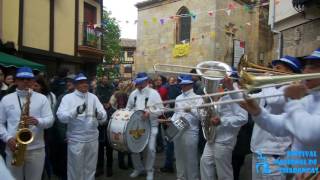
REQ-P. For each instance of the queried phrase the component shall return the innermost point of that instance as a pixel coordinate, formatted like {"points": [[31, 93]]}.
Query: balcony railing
{"points": [[90, 41], [91, 35]]}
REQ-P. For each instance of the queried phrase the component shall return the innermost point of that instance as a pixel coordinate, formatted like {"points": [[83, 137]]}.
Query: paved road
{"points": [[120, 174]]}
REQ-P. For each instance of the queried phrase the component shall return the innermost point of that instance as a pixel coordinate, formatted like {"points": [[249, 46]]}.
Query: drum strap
{"points": [[146, 101], [134, 101]]}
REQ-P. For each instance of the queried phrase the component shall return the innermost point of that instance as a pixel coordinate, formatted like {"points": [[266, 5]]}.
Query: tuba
{"points": [[24, 135], [211, 80]]}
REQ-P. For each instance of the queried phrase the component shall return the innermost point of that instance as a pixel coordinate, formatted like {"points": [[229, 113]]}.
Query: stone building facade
{"points": [[209, 37], [299, 28]]}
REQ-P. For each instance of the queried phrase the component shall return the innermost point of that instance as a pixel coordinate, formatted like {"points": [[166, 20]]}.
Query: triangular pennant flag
{"points": [[210, 13], [161, 21], [193, 15], [248, 23], [145, 22], [213, 34], [228, 11], [232, 6], [154, 20]]}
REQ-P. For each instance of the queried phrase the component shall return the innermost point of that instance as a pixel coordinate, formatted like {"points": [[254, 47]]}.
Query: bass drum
{"points": [[128, 131]]}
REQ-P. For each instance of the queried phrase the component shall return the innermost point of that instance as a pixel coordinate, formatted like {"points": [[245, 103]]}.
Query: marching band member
{"points": [[140, 99], [300, 119], [186, 145], [40, 117], [82, 112], [216, 160], [263, 142]]}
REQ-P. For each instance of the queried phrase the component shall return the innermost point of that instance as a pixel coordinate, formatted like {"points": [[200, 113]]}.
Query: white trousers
{"points": [[150, 150], [82, 160], [258, 168], [32, 167], [216, 162], [186, 152]]}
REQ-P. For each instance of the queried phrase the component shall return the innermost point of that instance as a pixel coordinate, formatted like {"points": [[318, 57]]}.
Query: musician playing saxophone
{"points": [[40, 117], [216, 160]]}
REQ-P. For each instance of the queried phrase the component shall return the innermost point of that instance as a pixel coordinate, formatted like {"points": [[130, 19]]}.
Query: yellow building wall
{"points": [[64, 12], [36, 24], [10, 21], [81, 15]]}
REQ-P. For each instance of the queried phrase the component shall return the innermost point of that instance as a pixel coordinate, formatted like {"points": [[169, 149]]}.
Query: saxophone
{"points": [[24, 135]]}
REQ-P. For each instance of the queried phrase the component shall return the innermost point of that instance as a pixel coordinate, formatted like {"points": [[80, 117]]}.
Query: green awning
{"points": [[7, 60]]}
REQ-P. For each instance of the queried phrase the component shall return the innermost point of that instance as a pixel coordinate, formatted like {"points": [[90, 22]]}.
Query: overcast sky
{"points": [[125, 12]]}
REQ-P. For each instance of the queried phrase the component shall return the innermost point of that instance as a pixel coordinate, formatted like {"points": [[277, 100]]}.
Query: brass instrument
{"points": [[24, 135], [211, 80], [246, 66], [249, 82], [211, 72]]}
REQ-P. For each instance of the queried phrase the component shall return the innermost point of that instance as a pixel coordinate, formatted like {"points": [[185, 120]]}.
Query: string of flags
{"points": [[212, 34], [228, 10]]}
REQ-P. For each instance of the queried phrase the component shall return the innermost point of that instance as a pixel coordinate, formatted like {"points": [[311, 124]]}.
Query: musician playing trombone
{"points": [[186, 145], [300, 119], [140, 99], [264, 143], [217, 156]]}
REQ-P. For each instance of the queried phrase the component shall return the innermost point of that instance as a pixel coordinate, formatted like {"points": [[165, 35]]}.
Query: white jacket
{"points": [[193, 117], [10, 117], [232, 118], [301, 121], [81, 127], [140, 100], [262, 140]]}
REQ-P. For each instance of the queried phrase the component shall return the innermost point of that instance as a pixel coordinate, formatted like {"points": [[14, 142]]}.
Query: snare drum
{"points": [[128, 131], [175, 128]]}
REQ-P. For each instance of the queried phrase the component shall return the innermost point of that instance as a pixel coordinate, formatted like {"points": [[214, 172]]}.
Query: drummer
{"points": [[142, 97], [186, 145]]}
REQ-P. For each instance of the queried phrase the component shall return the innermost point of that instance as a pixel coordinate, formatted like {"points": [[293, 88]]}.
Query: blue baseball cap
{"points": [[314, 56], [80, 77], [185, 79], [25, 72], [292, 62], [141, 77], [234, 73]]}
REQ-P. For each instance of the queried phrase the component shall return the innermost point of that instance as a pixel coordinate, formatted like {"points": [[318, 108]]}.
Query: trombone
{"points": [[211, 72], [247, 80]]}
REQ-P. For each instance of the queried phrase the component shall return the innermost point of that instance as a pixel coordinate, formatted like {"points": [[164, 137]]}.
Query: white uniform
{"points": [[9, 121], [186, 145], [82, 133], [217, 156], [271, 146], [139, 100], [301, 121]]}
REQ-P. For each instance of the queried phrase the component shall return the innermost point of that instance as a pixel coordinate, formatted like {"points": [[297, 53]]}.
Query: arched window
{"points": [[183, 26]]}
